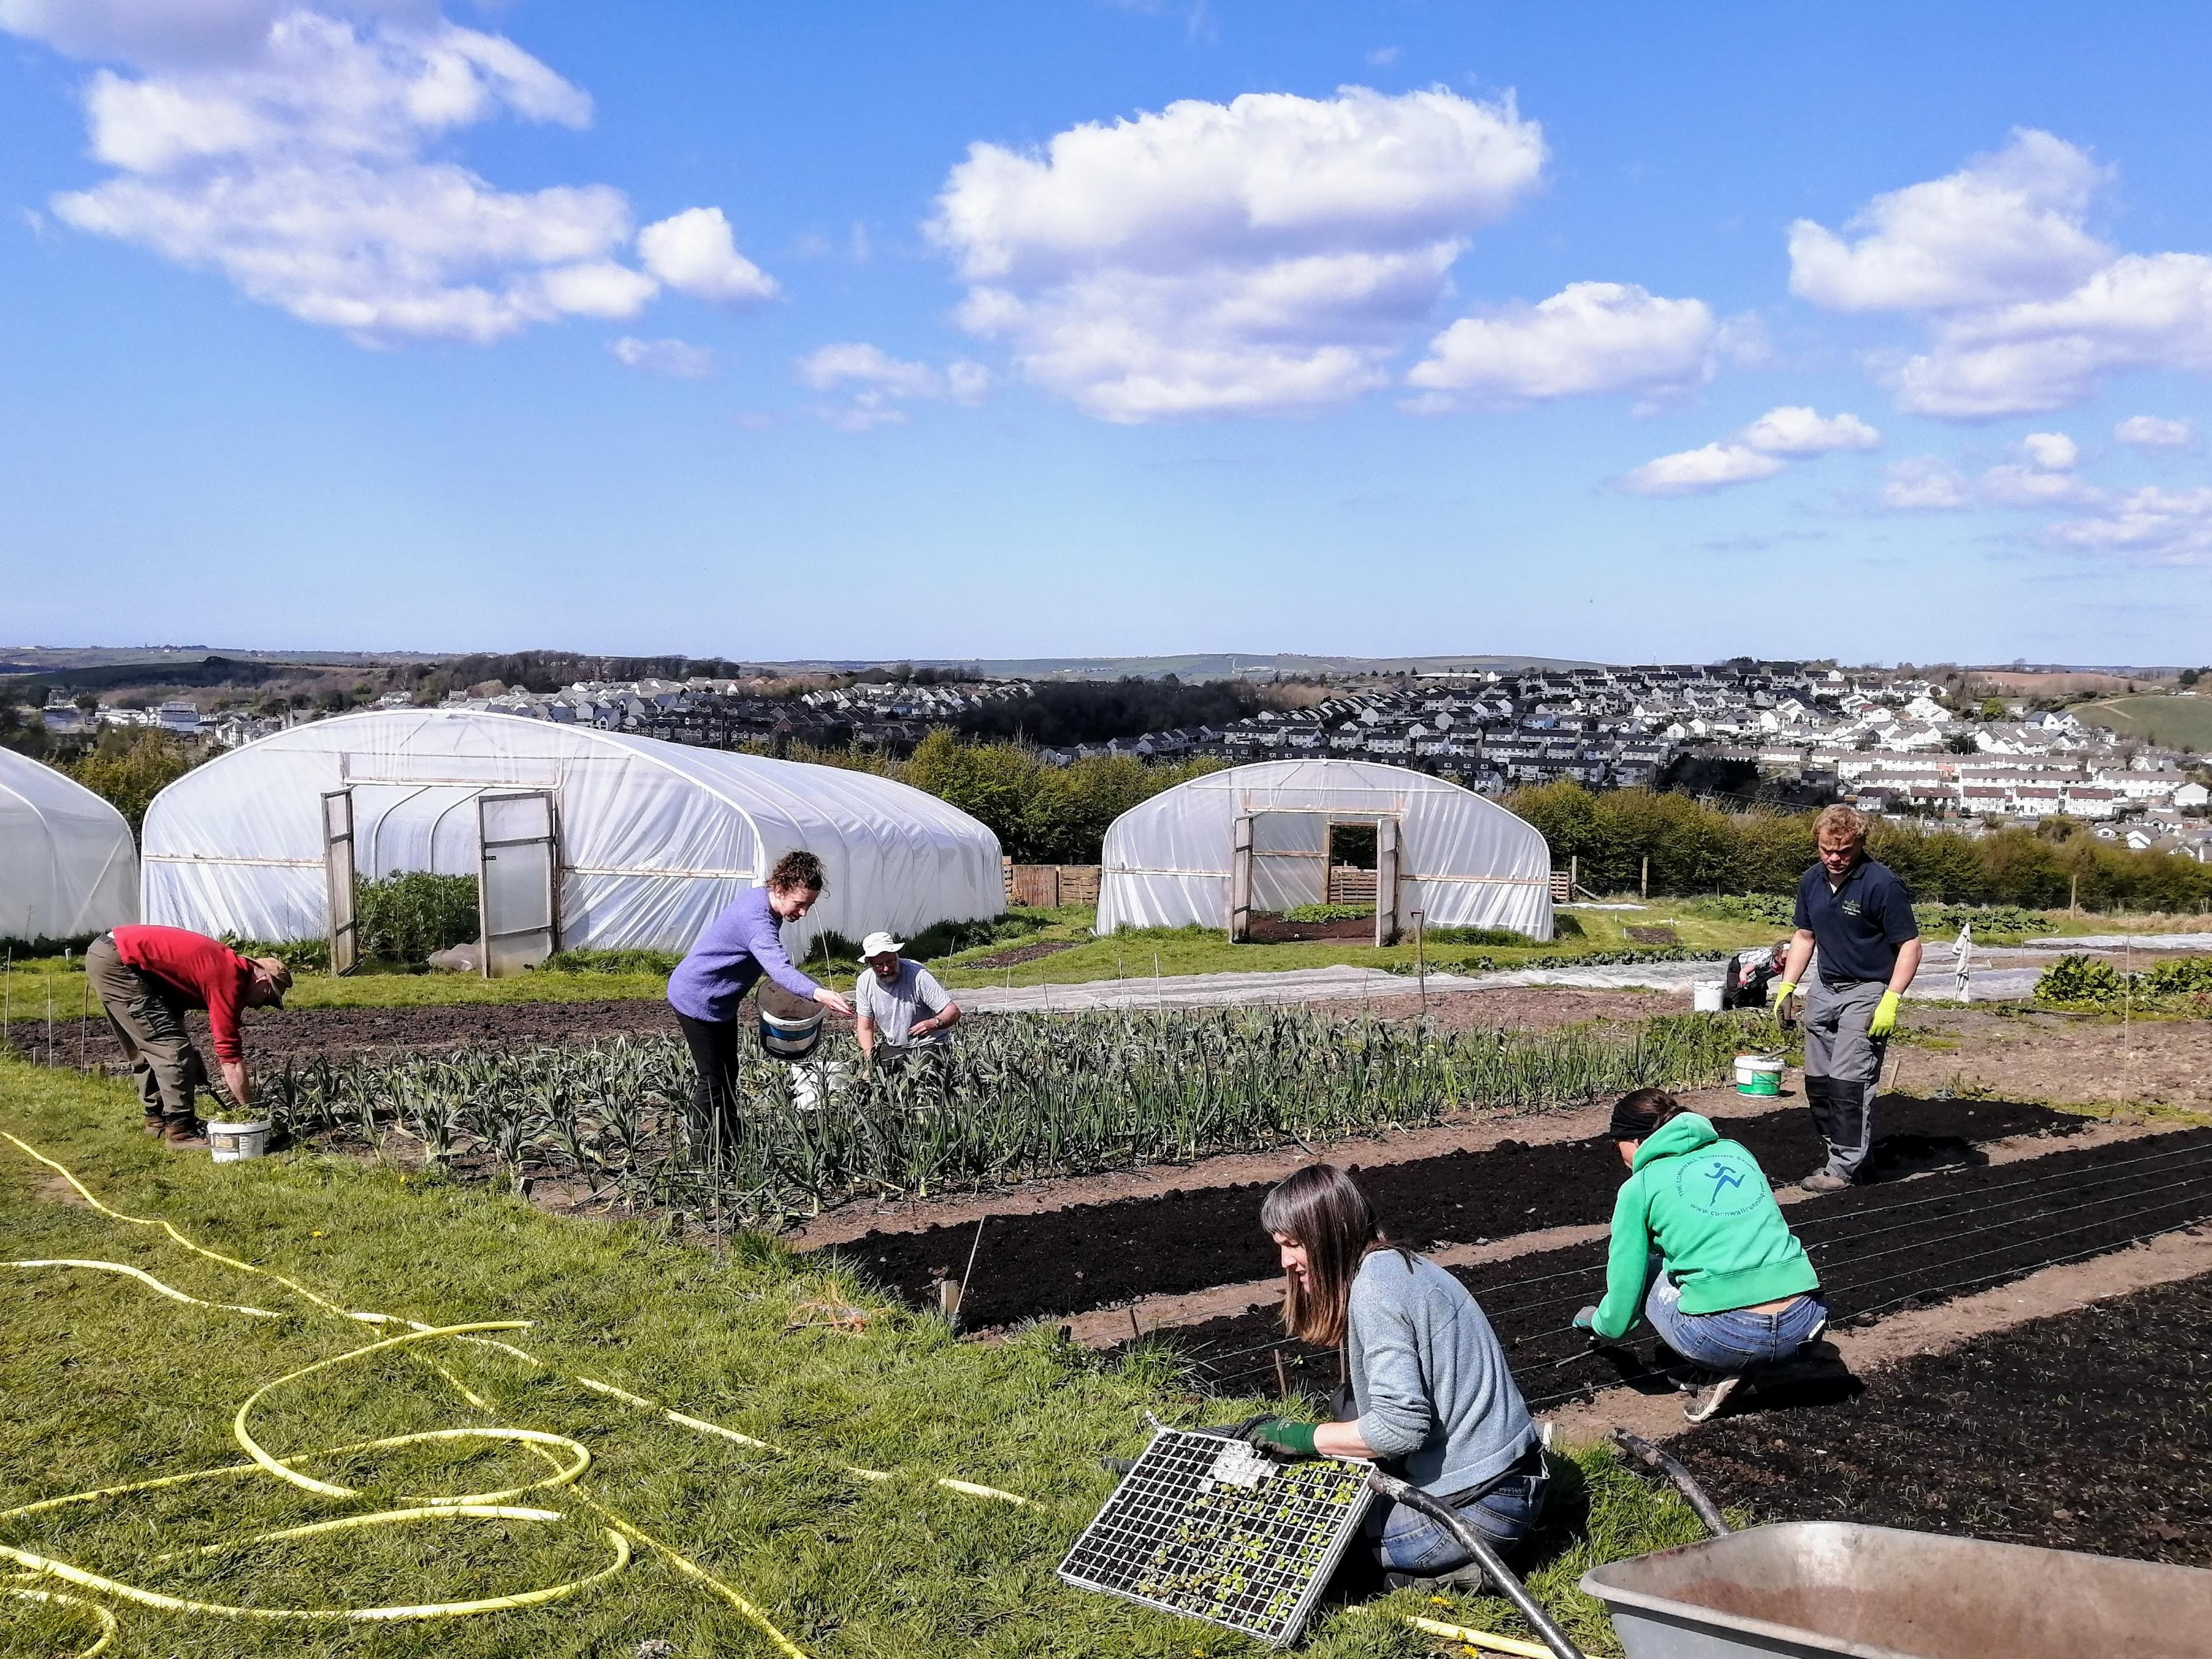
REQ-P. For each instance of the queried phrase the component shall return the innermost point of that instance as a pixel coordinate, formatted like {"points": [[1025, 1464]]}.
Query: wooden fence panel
{"points": [[1044, 886], [1349, 886]]}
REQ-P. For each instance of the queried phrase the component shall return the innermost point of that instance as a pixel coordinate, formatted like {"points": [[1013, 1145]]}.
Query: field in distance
{"points": [[2177, 722]]}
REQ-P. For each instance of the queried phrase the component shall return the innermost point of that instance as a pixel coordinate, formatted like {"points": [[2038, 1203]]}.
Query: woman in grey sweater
{"points": [[1432, 1394]]}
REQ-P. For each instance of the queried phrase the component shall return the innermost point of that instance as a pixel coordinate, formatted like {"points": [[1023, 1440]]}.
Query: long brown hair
{"points": [[1322, 1208]]}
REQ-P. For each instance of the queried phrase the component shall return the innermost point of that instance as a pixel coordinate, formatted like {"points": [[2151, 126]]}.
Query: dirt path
{"points": [[2084, 1060]]}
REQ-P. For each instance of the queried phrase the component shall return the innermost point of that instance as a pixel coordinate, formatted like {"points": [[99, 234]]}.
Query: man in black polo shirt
{"points": [[1859, 914]]}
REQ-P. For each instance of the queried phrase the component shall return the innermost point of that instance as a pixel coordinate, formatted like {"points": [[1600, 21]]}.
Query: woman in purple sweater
{"points": [[737, 948]]}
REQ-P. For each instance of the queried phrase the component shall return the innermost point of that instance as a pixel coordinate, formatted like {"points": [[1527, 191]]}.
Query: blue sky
{"points": [[1060, 328]]}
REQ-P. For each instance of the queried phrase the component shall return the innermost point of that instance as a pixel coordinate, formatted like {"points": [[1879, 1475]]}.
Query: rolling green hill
{"points": [[2175, 722]]}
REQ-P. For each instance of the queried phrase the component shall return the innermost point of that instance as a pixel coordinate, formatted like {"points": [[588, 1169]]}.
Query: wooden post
{"points": [[1574, 874], [2073, 896], [948, 1298], [1643, 885]]}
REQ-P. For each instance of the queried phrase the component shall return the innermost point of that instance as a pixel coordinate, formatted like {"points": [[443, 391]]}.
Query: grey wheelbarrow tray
{"points": [[1817, 1587]]}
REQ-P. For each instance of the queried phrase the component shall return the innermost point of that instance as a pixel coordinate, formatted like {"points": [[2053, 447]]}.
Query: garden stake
{"points": [[1282, 1378], [84, 1023], [967, 1274], [49, 1019]]}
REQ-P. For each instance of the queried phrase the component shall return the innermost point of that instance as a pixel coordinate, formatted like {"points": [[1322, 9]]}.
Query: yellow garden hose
{"points": [[567, 1461], [55, 1598]]}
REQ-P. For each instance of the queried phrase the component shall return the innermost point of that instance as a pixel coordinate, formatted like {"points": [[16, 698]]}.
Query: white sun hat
{"points": [[880, 945]]}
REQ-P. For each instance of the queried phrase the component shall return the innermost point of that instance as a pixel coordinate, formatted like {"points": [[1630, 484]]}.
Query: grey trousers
{"points": [[149, 1022], [1843, 1068]]}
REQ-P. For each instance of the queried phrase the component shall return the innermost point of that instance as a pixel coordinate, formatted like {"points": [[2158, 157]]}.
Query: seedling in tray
{"points": [[1210, 1529]]}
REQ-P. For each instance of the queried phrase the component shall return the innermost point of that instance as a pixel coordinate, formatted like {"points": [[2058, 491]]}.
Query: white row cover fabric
{"points": [[1464, 862], [67, 865], [655, 837]]}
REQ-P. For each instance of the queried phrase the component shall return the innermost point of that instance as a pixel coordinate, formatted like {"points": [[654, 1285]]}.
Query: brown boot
{"points": [[184, 1134], [155, 1125]]}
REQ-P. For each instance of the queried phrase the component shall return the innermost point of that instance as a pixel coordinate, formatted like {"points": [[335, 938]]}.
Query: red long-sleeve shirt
{"points": [[205, 973]]}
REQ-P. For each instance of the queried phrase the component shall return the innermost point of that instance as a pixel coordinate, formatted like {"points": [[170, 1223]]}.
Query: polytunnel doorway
{"points": [[1281, 861], [516, 861]]}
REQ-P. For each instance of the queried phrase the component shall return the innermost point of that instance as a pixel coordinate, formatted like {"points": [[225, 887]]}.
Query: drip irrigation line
{"points": [[2201, 1148], [2000, 1275], [2202, 1206], [1940, 1244]]}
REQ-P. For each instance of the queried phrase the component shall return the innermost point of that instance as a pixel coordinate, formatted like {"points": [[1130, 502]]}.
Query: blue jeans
{"points": [[1736, 1340], [1407, 1540]]}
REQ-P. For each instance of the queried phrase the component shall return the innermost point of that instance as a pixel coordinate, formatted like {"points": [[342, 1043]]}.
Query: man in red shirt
{"points": [[147, 977]]}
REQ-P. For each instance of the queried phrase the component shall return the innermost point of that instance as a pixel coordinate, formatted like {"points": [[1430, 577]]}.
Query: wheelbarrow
{"points": [[1819, 1587], [1809, 1590]]}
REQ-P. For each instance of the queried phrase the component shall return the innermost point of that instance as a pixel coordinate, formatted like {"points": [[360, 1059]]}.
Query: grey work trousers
{"points": [[1843, 1068], [147, 1019]]}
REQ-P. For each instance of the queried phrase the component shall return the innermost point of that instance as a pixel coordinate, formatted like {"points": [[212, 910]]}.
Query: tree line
{"points": [[1694, 849]]}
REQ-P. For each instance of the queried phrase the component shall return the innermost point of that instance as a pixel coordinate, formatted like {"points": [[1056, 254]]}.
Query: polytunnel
{"points": [[581, 839], [69, 867], [1260, 840]]}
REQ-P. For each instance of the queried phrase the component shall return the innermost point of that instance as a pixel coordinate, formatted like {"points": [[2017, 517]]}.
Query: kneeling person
{"points": [[898, 1006], [1699, 1242], [1431, 1395]]}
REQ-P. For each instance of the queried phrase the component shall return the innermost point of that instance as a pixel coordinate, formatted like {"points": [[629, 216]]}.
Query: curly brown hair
{"points": [[800, 870]]}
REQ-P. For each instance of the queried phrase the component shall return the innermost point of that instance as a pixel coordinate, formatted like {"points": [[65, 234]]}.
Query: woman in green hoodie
{"points": [[1699, 1244]]}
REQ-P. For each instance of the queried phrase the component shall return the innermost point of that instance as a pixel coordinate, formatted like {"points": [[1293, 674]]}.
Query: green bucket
{"points": [[1757, 1075]]}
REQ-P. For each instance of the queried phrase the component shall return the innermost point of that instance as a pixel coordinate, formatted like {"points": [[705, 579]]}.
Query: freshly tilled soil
{"points": [[1874, 1248], [2087, 1430], [1086, 1256]]}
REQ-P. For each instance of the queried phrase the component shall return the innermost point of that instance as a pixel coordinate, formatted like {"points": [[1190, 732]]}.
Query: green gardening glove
{"points": [[1281, 1434], [1885, 1016]]}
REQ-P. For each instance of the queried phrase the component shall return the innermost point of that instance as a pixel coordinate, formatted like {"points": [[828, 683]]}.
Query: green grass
{"points": [[2175, 722], [103, 1383]]}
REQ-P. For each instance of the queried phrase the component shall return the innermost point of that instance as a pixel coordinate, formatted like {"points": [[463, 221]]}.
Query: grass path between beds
{"points": [[104, 1382]]}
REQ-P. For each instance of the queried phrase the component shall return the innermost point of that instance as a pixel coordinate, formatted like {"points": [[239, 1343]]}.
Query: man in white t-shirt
{"points": [[899, 1005]]}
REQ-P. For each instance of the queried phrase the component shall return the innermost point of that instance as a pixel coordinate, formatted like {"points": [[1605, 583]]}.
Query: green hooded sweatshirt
{"points": [[1704, 1205]]}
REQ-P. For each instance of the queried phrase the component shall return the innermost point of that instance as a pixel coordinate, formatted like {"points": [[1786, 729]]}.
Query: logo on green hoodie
{"points": [[1717, 1184]]}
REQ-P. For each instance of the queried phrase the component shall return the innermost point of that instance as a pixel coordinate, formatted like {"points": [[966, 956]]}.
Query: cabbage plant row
{"points": [[1017, 1096]]}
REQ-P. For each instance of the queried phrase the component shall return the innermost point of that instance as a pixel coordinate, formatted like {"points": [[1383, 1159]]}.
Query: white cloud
{"points": [[286, 147], [2166, 527], [2150, 432], [1590, 338], [1694, 471], [1265, 255], [2004, 227], [694, 253], [678, 360], [869, 385], [2029, 311], [2051, 451], [1925, 484], [1797, 430], [1758, 451]]}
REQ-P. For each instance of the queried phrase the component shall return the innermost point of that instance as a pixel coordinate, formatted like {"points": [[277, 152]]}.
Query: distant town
{"points": [[1908, 745]]}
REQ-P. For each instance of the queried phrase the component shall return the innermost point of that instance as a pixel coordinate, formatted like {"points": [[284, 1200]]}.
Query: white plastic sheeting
{"points": [[1464, 861], [655, 837], [67, 866]]}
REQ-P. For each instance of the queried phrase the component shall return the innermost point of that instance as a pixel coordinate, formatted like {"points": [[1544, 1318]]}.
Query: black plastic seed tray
{"points": [[1209, 1529]]}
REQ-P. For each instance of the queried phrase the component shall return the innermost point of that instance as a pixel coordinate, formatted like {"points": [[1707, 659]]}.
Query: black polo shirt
{"points": [[1857, 925]]}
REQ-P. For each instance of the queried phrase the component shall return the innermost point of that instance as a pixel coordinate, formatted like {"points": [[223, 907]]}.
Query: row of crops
{"points": [[1019, 1096]]}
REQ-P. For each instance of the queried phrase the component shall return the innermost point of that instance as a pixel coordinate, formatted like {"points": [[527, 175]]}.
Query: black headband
{"points": [[1627, 1124]]}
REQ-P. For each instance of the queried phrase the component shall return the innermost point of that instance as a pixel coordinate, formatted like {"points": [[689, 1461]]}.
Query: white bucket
{"points": [[234, 1143], [818, 1084], [1705, 995]]}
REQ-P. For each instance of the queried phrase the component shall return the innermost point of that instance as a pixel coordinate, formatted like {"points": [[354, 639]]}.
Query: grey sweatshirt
{"points": [[1429, 1376]]}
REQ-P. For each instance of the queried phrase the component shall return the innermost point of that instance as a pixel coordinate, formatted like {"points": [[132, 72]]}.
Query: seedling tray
{"points": [[1209, 1529]]}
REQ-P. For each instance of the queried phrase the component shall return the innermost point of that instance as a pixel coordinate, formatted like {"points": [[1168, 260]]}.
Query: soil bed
{"points": [[1275, 930], [1091, 1256], [1874, 1248], [1017, 955], [2089, 1431]]}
